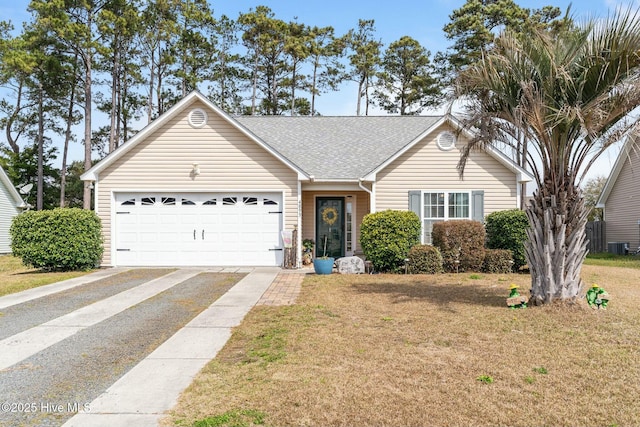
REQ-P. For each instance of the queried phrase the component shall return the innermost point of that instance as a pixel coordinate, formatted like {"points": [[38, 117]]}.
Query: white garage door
{"points": [[213, 229]]}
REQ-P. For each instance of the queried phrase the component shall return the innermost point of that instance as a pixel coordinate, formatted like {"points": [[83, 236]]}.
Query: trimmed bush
{"points": [[462, 241], [59, 239], [508, 230], [424, 259], [498, 261], [387, 236]]}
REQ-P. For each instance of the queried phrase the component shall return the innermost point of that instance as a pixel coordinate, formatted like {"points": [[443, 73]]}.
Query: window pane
{"points": [[434, 205], [458, 205]]}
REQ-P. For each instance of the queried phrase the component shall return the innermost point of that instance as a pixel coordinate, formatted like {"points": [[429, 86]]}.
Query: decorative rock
{"points": [[350, 265]]}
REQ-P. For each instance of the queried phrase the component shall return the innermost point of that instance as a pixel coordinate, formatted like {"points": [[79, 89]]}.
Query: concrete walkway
{"points": [[143, 395]]}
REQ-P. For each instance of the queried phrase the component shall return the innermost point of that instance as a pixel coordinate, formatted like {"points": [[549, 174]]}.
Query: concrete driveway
{"points": [[51, 336]]}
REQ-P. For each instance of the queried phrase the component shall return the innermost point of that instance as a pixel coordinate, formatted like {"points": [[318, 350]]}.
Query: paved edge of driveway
{"points": [[144, 394], [24, 344], [41, 291]]}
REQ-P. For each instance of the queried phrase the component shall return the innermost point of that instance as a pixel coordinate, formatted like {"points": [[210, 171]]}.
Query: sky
{"points": [[423, 20]]}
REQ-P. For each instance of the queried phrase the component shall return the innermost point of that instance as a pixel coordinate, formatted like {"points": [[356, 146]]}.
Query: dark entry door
{"points": [[330, 226]]}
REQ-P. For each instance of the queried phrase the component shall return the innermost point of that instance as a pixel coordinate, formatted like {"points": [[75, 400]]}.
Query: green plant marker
{"points": [[487, 379]]}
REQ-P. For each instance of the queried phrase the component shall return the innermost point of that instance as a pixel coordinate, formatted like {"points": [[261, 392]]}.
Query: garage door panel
{"points": [[170, 219], [230, 218], [198, 229]]}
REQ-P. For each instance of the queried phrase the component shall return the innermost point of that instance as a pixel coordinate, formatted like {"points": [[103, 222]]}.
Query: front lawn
{"points": [[442, 350], [611, 260], [15, 277]]}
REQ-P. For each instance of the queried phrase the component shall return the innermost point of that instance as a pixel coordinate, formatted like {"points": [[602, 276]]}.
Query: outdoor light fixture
{"points": [[195, 171]]}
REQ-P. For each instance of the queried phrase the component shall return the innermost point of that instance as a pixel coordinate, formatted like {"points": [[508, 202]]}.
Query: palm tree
{"points": [[568, 96]]}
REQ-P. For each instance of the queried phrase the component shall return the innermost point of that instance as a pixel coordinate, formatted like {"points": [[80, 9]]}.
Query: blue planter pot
{"points": [[323, 266]]}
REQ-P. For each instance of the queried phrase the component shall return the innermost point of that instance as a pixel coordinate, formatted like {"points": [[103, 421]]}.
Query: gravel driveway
{"points": [[48, 387]]}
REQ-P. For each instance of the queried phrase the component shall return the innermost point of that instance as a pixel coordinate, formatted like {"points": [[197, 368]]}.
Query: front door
{"points": [[330, 226]]}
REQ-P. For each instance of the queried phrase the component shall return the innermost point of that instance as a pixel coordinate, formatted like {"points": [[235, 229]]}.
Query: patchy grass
{"points": [[15, 277], [444, 350], [612, 260]]}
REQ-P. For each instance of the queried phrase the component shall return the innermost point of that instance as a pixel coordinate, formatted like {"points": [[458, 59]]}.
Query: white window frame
{"points": [[426, 234]]}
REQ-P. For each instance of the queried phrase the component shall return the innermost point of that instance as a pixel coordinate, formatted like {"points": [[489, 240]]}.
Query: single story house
{"points": [[11, 204], [200, 187], [620, 197]]}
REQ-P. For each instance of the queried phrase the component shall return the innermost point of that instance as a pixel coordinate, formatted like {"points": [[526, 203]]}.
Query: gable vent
{"points": [[198, 118], [446, 141]]}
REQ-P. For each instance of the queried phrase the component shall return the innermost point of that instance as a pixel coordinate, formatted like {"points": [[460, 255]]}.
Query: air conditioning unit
{"points": [[618, 248]]}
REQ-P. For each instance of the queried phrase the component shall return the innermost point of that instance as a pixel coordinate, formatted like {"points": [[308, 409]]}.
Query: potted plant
{"points": [[307, 252], [323, 264]]}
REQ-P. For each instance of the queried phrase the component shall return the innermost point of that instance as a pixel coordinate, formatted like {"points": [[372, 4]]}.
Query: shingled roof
{"points": [[338, 148]]}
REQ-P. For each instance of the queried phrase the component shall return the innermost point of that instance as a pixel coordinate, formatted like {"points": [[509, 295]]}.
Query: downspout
{"points": [[372, 203], [299, 236], [519, 196]]}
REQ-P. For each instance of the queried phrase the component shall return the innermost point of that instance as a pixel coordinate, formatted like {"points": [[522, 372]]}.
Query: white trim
{"points": [[372, 198], [331, 187], [353, 200], [518, 194], [95, 197], [112, 220], [4, 178], [92, 174], [299, 221]]}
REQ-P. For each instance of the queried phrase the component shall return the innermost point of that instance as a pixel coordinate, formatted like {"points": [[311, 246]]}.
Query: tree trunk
{"points": [[40, 189], [151, 83], [115, 79], [314, 82], [86, 195], [254, 85], [11, 119], [360, 85], [556, 245], [67, 140]]}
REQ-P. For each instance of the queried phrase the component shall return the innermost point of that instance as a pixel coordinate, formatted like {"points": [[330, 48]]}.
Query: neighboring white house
{"points": [[11, 204], [620, 198], [200, 187]]}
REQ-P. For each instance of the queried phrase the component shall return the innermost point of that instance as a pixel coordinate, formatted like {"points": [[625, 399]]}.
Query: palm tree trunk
{"points": [[557, 243]]}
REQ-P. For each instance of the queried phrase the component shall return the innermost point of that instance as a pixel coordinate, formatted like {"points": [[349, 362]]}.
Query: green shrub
{"points": [[387, 236], [58, 239], [461, 241], [508, 230], [424, 259], [498, 261]]}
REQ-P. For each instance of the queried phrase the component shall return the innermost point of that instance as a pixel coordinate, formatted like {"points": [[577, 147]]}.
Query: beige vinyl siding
{"points": [[228, 161], [8, 210], [426, 167], [622, 209], [309, 211]]}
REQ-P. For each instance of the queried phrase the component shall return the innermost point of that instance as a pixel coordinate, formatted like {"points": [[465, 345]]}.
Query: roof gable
{"points": [[521, 174], [627, 148], [338, 148], [4, 179], [321, 148], [92, 174]]}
